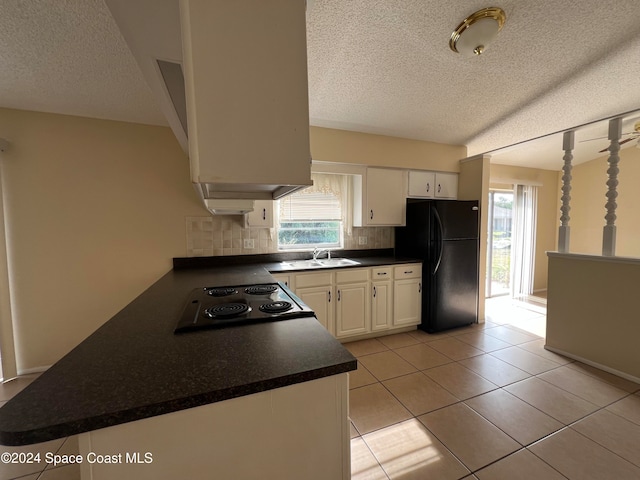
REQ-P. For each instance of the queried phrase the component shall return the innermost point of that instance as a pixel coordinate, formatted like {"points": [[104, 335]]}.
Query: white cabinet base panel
{"points": [[300, 431]]}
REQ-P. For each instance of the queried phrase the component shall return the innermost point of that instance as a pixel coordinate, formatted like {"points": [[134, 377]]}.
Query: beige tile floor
{"points": [[485, 402], [488, 402]]}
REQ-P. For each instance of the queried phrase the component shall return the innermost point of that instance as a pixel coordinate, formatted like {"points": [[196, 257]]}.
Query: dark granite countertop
{"points": [[134, 367]]}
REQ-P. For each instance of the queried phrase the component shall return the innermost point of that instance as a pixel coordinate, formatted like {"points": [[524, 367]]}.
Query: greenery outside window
{"points": [[313, 217]]}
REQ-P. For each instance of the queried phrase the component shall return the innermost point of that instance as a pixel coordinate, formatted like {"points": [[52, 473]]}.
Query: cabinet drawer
{"points": [[352, 275], [318, 279], [381, 273], [410, 270]]}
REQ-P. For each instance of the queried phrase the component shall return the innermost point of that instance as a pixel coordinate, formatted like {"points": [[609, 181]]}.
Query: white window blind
{"points": [[301, 206], [313, 216]]}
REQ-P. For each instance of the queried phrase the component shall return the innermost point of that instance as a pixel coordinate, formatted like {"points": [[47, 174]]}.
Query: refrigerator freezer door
{"points": [[458, 218], [453, 295], [414, 239]]}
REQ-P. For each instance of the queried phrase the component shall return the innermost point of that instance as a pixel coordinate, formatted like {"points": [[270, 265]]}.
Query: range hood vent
{"points": [[229, 207], [173, 79], [245, 73], [233, 75]]}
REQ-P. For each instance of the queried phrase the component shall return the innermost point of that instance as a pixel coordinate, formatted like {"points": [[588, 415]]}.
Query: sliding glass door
{"points": [[499, 243]]}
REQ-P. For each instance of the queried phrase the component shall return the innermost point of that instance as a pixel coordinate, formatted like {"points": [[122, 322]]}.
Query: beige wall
{"points": [[474, 185], [548, 210], [95, 212], [588, 189], [592, 311], [330, 145]]}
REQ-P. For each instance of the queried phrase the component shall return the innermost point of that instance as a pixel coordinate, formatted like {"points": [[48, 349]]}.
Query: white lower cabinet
{"points": [[319, 300], [284, 278], [357, 301], [407, 295], [316, 290], [352, 302], [381, 298]]}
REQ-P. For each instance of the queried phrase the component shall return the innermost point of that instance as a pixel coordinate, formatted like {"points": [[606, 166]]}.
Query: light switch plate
{"points": [[248, 243], [362, 240]]}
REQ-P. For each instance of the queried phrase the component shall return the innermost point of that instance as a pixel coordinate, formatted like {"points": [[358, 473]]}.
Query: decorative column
{"points": [[563, 232], [609, 233]]}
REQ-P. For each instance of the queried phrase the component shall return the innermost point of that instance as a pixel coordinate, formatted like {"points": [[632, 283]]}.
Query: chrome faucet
{"points": [[318, 251]]}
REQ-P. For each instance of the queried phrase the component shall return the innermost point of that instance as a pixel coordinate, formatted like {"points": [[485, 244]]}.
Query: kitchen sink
{"points": [[323, 263], [337, 262]]}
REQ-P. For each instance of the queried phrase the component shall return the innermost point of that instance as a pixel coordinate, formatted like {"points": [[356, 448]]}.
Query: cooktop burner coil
{"points": [[275, 307], [260, 289], [227, 310], [221, 292]]}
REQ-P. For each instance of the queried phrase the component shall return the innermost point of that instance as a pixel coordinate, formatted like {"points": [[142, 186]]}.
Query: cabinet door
{"points": [[321, 301], [352, 309], [446, 185], [381, 305], [422, 184], [262, 215], [407, 299], [284, 278], [385, 200]]}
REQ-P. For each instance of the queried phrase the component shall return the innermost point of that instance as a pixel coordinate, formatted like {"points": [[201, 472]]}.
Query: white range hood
{"points": [[231, 78]]}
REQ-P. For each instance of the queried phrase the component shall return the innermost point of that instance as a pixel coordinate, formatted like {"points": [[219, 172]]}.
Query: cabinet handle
{"points": [[408, 271], [329, 293], [338, 295], [374, 291], [420, 287], [439, 188], [264, 214], [371, 214], [382, 273], [428, 186]]}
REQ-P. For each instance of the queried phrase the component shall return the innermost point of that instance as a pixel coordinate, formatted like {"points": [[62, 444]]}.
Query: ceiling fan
{"points": [[635, 134]]}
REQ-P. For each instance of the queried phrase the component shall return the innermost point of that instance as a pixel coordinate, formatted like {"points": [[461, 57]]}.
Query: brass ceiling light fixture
{"points": [[477, 31]]}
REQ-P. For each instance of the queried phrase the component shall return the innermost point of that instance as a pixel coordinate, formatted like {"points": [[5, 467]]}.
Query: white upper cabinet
{"points": [[247, 107], [422, 184], [432, 184], [446, 185], [262, 215], [379, 198]]}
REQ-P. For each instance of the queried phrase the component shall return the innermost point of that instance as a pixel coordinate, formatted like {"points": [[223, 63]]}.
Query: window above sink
{"points": [[316, 216]]}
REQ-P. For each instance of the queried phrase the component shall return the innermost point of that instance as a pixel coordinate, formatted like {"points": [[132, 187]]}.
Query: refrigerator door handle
{"points": [[437, 216]]}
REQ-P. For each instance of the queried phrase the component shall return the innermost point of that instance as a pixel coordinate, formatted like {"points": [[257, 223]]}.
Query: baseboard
{"points": [[540, 290], [381, 333], [29, 371], [594, 364]]}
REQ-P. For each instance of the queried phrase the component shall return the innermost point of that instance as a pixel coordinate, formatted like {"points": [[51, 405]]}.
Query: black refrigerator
{"points": [[444, 235]]}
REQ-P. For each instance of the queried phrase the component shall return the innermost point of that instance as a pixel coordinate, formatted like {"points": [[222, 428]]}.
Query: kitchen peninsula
{"points": [[269, 399]]}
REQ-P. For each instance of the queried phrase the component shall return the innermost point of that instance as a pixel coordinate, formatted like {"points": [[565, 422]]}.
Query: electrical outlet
{"points": [[248, 243], [362, 240]]}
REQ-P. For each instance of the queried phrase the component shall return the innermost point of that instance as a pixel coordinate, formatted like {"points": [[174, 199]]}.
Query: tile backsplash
{"points": [[225, 235]]}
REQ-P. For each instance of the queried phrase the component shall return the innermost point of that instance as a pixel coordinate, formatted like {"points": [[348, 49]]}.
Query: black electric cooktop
{"points": [[220, 307]]}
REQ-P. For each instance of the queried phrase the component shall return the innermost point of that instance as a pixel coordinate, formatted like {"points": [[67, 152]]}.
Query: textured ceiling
{"points": [[67, 56], [384, 66], [377, 66]]}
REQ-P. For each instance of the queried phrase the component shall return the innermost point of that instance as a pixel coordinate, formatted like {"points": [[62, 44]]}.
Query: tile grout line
{"points": [[564, 426], [598, 443]]}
